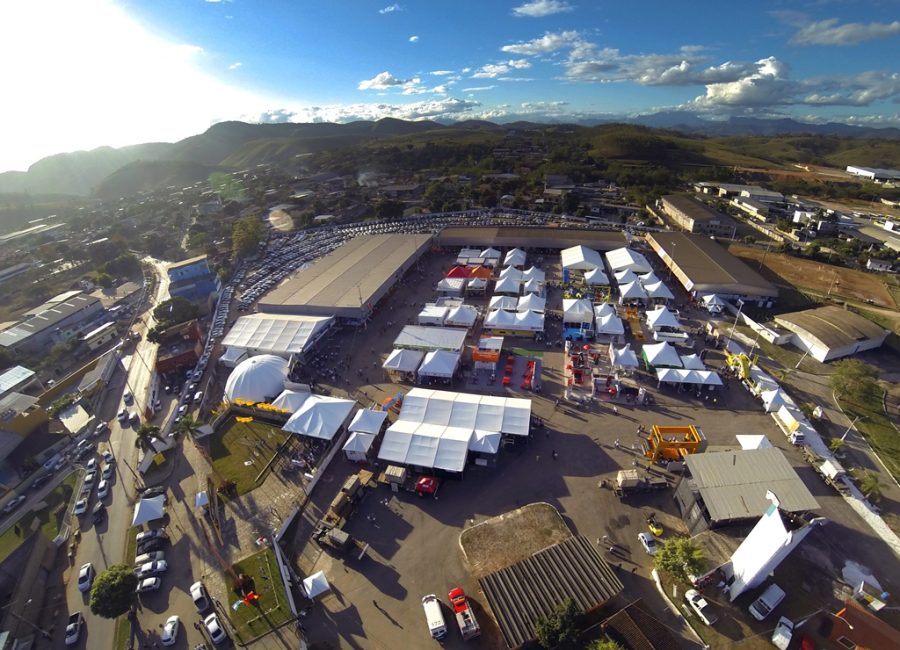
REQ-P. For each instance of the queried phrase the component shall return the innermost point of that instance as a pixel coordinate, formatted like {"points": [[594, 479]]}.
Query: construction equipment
{"points": [[631, 481], [654, 526], [673, 444]]}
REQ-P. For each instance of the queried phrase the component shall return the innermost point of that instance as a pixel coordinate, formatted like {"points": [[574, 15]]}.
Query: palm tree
{"points": [[187, 424], [144, 434]]}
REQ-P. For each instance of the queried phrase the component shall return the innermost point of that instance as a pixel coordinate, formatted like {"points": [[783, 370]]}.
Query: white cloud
{"points": [[235, 65], [540, 8], [447, 108], [767, 86], [441, 73], [830, 32], [381, 81], [477, 89], [857, 90], [390, 9], [413, 39], [493, 70], [549, 42]]}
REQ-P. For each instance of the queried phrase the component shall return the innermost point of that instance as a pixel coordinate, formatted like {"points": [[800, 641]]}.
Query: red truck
{"points": [[468, 626]]}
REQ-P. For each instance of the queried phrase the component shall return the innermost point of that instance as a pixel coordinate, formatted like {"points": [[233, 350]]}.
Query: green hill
{"points": [[145, 176]]}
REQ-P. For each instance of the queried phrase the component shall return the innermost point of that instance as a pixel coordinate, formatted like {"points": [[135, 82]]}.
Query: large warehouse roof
{"points": [[702, 265], [350, 280], [522, 594], [530, 237], [281, 334], [832, 326], [733, 484]]}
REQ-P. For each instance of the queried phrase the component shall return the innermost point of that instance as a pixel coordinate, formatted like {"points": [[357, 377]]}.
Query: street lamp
{"points": [[855, 420], [736, 319]]}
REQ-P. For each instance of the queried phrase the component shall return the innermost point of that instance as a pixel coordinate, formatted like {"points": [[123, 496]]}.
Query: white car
{"points": [[80, 507], [89, 478], [154, 556], [92, 464], [200, 597], [148, 584], [701, 607], [151, 569], [648, 542], [107, 471], [73, 628], [85, 577], [170, 630], [216, 633], [781, 637], [103, 489], [108, 458]]}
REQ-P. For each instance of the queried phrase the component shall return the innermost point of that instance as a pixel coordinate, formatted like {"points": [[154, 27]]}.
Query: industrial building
{"points": [[728, 487], [20, 414], [874, 173], [180, 346], [193, 280], [704, 267], [829, 333], [350, 281], [693, 216], [56, 324]]}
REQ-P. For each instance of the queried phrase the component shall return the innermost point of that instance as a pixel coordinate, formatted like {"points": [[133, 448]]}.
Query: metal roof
{"points": [[522, 594], [46, 319], [832, 326], [694, 209], [638, 629], [276, 334], [733, 484], [420, 337], [14, 378]]}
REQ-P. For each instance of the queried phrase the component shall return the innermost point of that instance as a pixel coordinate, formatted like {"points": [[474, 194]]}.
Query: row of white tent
{"points": [[664, 355], [684, 376], [513, 281], [478, 257], [528, 302], [634, 286], [437, 363], [443, 315], [524, 321], [456, 286]]}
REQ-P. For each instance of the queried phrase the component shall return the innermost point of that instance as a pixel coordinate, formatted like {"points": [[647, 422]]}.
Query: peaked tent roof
{"points": [[458, 272], [662, 317], [359, 441], [633, 291], [146, 510], [511, 272], [534, 273], [753, 441], [320, 417], [581, 258], [577, 309], [367, 421], [477, 283], [490, 253], [658, 290], [451, 284], [291, 400], [482, 272], [439, 363], [713, 299], [692, 362], [532, 286], [596, 276], [487, 442], [316, 584], [461, 316], [625, 277], [508, 285], [279, 334], [531, 302], [609, 324], [661, 355], [603, 309], [648, 278], [509, 303], [623, 357], [403, 360], [625, 258], [515, 257]]}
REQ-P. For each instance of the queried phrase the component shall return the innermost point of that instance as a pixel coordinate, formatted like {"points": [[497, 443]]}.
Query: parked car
{"points": [[106, 472], [212, 625], [128, 398], [108, 457], [15, 503], [73, 628], [146, 535], [170, 631], [150, 545], [92, 464], [85, 577], [148, 584], [648, 542], [155, 556], [123, 416], [152, 569], [100, 429], [80, 507], [200, 597], [154, 491], [98, 512], [89, 478], [103, 489], [784, 630], [41, 481], [701, 607]]}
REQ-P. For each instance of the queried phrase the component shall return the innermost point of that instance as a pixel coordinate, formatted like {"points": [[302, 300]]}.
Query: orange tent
{"points": [[482, 272]]}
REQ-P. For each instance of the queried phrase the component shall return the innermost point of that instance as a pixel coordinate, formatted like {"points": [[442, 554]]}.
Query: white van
{"points": [[198, 396], [434, 615], [769, 600]]}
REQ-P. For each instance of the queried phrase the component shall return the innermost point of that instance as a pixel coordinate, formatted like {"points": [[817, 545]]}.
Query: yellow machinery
{"points": [[674, 443], [741, 363]]}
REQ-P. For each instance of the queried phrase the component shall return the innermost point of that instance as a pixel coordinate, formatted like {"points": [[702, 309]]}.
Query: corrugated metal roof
{"points": [[522, 594], [638, 629], [733, 484], [14, 377], [832, 326]]}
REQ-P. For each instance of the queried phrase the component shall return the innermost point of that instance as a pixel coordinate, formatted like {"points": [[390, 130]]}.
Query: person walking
{"points": [[615, 410]]}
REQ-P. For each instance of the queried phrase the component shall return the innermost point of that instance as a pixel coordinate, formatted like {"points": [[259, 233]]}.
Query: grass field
{"points": [[877, 429], [271, 610], [50, 517], [816, 276], [240, 450]]}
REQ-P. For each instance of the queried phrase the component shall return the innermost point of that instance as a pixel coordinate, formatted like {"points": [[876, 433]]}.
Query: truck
{"points": [[631, 481], [465, 619], [831, 471]]}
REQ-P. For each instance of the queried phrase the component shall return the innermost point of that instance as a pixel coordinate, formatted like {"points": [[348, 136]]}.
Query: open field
{"points": [[50, 517], [816, 276], [240, 450], [877, 429], [271, 610]]}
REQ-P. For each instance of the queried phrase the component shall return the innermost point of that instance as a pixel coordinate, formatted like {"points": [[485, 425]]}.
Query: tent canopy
{"points": [[316, 584], [534, 273], [661, 355], [581, 258], [648, 278], [439, 363], [508, 285], [461, 316], [662, 317], [603, 309], [487, 442], [451, 285], [515, 257], [510, 272], [458, 272], [490, 253], [625, 258], [532, 286], [626, 277], [508, 303], [201, 499], [692, 362], [632, 291], [623, 357], [320, 417], [432, 315], [290, 400], [531, 302], [476, 283], [359, 442], [753, 441], [610, 325], [367, 421], [146, 510], [658, 290], [577, 310], [713, 299], [256, 379], [404, 360], [596, 276]]}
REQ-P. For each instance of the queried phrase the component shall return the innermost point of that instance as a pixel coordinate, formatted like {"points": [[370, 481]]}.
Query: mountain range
{"points": [[112, 172]]}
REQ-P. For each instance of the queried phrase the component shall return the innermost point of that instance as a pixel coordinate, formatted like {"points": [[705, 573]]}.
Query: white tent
{"points": [[316, 585], [320, 417], [534, 273], [461, 316], [432, 315], [357, 446], [515, 257], [626, 277], [713, 304], [632, 291], [511, 272], [403, 360], [774, 399], [533, 286], [577, 310], [603, 309], [279, 334], [692, 362], [531, 302], [709, 377], [233, 356], [451, 286], [507, 303], [256, 379], [581, 258], [662, 317], [367, 421], [476, 284], [596, 276], [500, 319], [439, 363], [201, 499], [490, 254], [609, 325], [486, 442], [753, 441], [531, 321], [648, 278], [291, 400], [526, 321], [625, 258], [623, 357], [661, 355], [678, 376], [146, 510], [658, 290], [508, 285]]}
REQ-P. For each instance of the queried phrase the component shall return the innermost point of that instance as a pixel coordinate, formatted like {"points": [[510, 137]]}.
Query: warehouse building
{"points": [[729, 487], [704, 268], [349, 282], [59, 323], [874, 173], [695, 217], [829, 333]]}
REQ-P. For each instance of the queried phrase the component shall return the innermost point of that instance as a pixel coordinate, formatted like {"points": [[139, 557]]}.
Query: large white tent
{"points": [[257, 379], [511, 272], [609, 325], [451, 286], [439, 363], [632, 291], [661, 355], [523, 321], [581, 258], [774, 399], [320, 417], [604, 309], [403, 360], [658, 290], [415, 337], [356, 449], [577, 310], [432, 314], [692, 362], [596, 276], [532, 286], [291, 400], [682, 376], [461, 316], [648, 278], [434, 428], [282, 335], [508, 303], [490, 254], [713, 304], [486, 442], [316, 585], [626, 277], [625, 258], [367, 421], [534, 273], [623, 357], [531, 302], [515, 257], [662, 317], [147, 510], [508, 285], [476, 284]]}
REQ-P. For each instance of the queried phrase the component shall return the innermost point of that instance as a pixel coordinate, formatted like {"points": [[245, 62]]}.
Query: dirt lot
{"points": [[816, 276]]}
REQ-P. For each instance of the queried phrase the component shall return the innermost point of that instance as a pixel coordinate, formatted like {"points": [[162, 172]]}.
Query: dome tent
{"points": [[257, 379]]}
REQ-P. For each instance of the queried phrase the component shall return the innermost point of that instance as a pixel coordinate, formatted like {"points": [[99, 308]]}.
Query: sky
{"points": [[78, 74]]}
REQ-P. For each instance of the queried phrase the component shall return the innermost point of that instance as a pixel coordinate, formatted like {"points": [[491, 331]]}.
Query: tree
{"points": [[604, 644], [870, 486], [186, 424], [245, 236], [836, 444], [559, 630], [113, 592], [144, 433], [854, 380], [679, 556], [174, 311]]}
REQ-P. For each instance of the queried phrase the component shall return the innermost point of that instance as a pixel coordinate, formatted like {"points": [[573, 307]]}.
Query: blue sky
{"points": [[117, 72]]}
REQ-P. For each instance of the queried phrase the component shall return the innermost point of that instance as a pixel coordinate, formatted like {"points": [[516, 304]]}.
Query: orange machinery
{"points": [[674, 443]]}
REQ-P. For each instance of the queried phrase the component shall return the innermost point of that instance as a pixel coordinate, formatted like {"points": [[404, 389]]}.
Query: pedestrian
{"points": [[615, 410], [554, 454], [617, 443]]}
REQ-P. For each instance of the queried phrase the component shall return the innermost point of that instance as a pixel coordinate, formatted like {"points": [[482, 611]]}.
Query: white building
{"points": [[829, 333]]}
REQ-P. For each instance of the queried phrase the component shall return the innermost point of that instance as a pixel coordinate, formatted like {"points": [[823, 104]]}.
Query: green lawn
{"points": [[239, 451], [271, 610], [786, 355], [50, 517], [877, 429]]}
